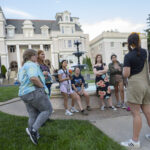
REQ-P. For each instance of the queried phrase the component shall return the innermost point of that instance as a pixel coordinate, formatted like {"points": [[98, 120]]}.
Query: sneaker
{"points": [[68, 113], [28, 132], [103, 107], [33, 136], [147, 137], [88, 108], [118, 105], [131, 144], [113, 107], [74, 110], [84, 112], [123, 106]]}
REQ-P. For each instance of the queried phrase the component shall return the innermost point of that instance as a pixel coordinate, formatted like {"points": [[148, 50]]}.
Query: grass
{"points": [[90, 81], [83, 72], [9, 92], [55, 135]]}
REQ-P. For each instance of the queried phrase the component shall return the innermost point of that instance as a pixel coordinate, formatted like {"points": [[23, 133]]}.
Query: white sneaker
{"points": [[113, 108], [103, 107], [68, 113], [118, 105], [131, 144], [123, 106], [147, 137], [74, 110]]}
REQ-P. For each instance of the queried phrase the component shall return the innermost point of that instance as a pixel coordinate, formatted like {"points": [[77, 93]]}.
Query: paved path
{"points": [[116, 124]]}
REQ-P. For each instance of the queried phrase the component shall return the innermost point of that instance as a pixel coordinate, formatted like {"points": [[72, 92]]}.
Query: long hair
{"points": [[97, 57], [28, 54], [134, 40], [62, 63], [38, 58]]}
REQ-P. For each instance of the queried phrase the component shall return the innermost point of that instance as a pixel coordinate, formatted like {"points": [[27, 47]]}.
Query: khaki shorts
{"points": [[138, 91]]}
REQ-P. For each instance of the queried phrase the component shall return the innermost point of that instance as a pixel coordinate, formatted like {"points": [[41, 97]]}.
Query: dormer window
{"points": [[44, 30], [66, 18], [10, 30], [28, 29]]}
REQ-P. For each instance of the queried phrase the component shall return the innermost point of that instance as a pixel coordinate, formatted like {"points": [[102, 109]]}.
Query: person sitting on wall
{"points": [[78, 86]]}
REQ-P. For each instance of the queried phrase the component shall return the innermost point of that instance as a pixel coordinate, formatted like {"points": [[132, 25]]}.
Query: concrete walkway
{"points": [[116, 124]]}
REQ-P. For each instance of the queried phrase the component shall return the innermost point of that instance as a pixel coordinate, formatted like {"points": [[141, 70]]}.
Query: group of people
{"points": [[35, 87]]}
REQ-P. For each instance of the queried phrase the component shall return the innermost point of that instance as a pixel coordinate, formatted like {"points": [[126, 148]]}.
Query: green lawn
{"points": [[55, 135], [90, 81], [7, 93], [83, 72]]}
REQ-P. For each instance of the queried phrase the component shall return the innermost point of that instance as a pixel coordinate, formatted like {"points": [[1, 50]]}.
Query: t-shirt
{"points": [[135, 62], [77, 81], [29, 69], [64, 74]]}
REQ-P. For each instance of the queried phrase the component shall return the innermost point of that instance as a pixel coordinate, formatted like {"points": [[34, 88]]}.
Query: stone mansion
{"points": [[55, 37]]}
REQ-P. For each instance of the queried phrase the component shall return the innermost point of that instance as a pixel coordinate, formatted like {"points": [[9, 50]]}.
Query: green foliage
{"points": [[4, 70], [148, 31], [88, 62]]}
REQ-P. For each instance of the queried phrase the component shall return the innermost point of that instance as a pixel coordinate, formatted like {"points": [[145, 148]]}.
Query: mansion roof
{"points": [[37, 24]]}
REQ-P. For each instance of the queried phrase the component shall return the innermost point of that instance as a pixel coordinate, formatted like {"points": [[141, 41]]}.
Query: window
{"points": [[44, 32], [72, 30], [12, 49], [10, 32], [62, 29], [66, 18], [69, 43], [64, 43], [46, 47], [112, 44]]}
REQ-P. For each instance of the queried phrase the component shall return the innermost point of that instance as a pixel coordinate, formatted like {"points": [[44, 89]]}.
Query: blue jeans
{"points": [[49, 88]]}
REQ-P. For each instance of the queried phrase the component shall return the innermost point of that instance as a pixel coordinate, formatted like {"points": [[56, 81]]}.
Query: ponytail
{"points": [[134, 39]]}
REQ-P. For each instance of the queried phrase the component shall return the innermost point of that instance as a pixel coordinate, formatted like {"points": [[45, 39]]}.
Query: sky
{"points": [[95, 16]]}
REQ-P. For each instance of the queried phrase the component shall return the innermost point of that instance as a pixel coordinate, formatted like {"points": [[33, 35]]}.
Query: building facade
{"points": [[109, 43], [55, 37]]}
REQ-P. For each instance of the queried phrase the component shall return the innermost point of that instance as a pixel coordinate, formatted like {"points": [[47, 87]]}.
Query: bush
{"points": [[88, 62], [3, 71]]}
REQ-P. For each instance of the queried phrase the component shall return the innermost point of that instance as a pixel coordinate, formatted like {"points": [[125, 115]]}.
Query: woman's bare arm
{"points": [[126, 72]]}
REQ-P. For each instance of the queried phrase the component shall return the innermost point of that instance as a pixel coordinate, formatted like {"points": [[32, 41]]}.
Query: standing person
{"points": [[34, 93], [45, 69], [116, 79], [102, 82], [65, 88], [78, 86], [136, 69]]}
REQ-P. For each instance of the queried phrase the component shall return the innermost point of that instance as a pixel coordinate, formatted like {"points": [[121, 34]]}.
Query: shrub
{"points": [[3, 71]]}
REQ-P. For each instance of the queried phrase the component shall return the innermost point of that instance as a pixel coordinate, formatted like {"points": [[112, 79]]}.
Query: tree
{"points": [[88, 62], [148, 31], [4, 70]]}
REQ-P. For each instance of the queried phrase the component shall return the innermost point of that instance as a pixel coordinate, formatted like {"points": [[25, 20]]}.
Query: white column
{"points": [[18, 56], [41, 46], [7, 57], [53, 56], [29, 46]]}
